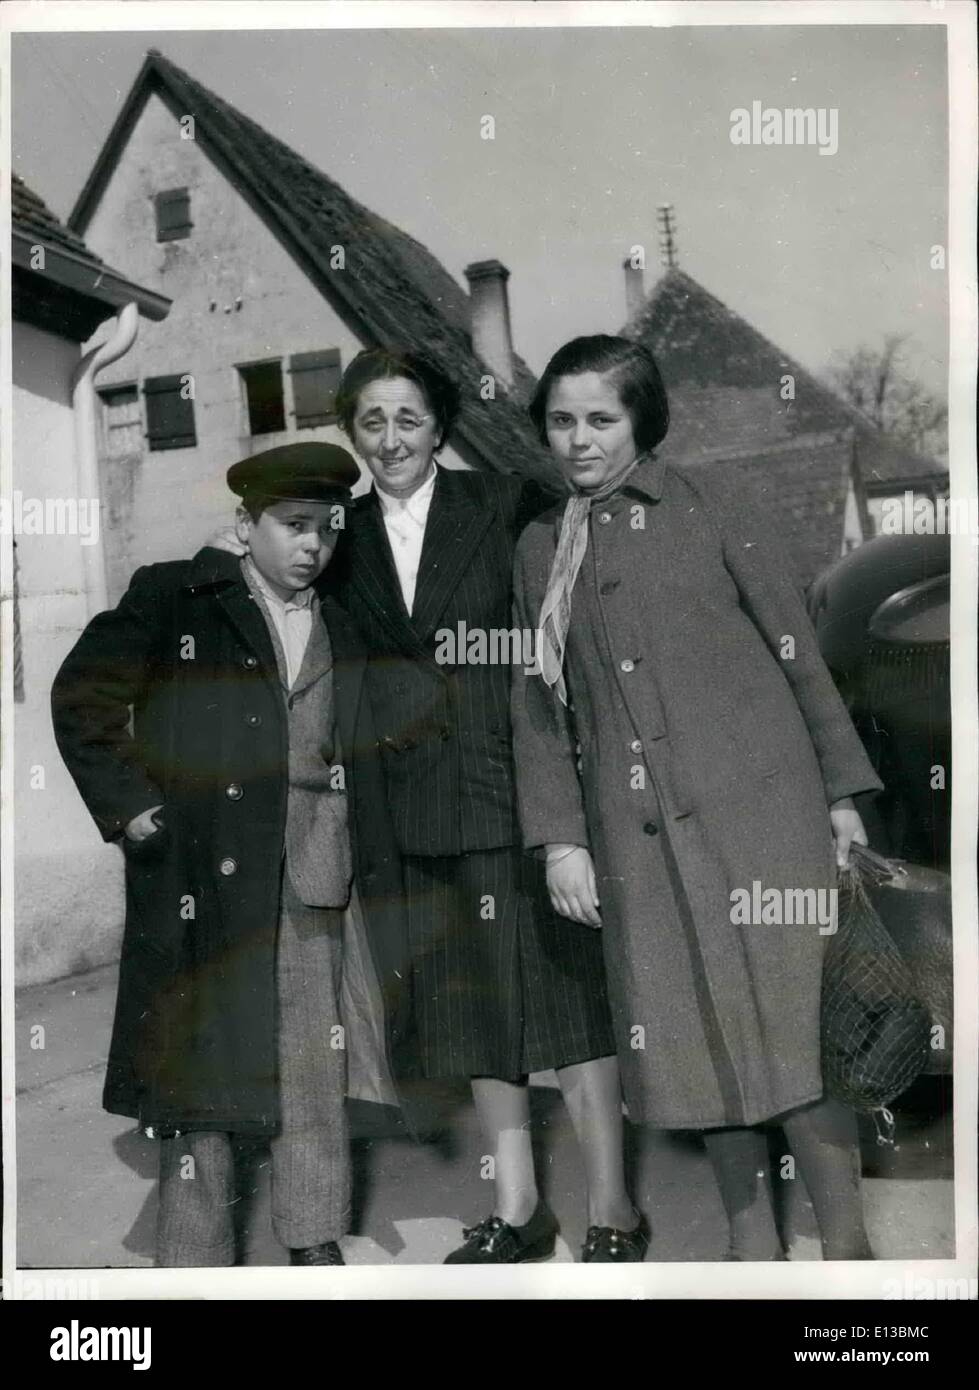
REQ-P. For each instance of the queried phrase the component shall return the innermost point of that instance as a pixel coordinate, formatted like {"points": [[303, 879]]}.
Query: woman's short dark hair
{"points": [[636, 375], [381, 364]]}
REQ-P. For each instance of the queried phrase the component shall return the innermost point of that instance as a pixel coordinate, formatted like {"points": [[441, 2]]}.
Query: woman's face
{"points": [[395, 433], [589, 429]]}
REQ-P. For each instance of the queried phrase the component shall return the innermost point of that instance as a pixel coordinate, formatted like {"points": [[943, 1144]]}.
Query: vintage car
{"points": [[882, 615]]}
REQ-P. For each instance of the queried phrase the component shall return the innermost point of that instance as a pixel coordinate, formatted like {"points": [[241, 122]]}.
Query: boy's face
{"points": [[290, 544]]}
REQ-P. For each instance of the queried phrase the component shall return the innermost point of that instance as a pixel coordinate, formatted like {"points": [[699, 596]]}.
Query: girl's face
{"points": [[589, 429], [395, 433]]}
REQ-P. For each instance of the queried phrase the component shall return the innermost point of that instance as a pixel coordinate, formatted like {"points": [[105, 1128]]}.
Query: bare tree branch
{"points": [[879, 383]]}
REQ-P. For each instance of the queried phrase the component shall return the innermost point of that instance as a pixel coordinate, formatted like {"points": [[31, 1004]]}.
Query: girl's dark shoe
{"points": [[326, 1254], [606, 1245], [495, 1242]]}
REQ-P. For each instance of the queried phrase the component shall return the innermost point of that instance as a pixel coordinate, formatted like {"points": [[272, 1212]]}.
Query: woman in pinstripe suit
{"points": [[500, 986]]}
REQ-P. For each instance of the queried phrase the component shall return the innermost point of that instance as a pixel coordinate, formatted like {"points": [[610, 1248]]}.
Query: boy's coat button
{"points": [[249, 662], [233, 792], [254, 720], [228, 867]]}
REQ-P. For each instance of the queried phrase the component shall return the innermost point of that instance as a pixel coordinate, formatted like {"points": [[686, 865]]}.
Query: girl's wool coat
{"points": [[711, 742]]}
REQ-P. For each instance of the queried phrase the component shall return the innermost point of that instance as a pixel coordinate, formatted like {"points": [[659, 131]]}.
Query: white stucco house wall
{"points": [[67, 884]]}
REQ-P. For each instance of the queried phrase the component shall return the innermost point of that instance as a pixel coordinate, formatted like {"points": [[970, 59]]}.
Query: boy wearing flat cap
{"points": [[216, 726]]}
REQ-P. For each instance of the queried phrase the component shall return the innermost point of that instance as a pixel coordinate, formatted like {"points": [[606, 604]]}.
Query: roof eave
{"points": [[87, 277], [911, 482]]}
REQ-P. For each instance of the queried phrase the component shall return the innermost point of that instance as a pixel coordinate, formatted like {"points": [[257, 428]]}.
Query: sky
{"points": [[593, 129]]}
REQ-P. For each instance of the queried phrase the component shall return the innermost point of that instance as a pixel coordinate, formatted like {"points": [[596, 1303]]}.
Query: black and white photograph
{"points": [[490, 539]]}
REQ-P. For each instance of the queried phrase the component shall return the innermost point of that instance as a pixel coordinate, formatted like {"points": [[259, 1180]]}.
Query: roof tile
{"points": [[30, 214]]}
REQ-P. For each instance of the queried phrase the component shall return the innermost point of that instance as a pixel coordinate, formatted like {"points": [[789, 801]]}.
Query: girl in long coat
{"points": [[682, 752]]}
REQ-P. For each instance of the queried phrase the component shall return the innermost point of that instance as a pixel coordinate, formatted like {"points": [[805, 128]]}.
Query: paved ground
{"points": [[86, 1180]]}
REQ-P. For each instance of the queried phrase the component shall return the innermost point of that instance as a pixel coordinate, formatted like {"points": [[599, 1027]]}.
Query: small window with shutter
{"points": [[169, 413], [122, 428], [315, 378], [173, 214], [264, 404]]}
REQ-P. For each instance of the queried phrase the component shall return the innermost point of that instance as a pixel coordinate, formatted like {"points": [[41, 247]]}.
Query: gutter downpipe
{"points": [[86, 453]]}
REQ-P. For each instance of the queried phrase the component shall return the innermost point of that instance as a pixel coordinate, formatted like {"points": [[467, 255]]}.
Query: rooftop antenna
{"points": [[667, 235]]}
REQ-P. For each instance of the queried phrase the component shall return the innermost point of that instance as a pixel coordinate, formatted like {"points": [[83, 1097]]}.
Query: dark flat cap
{"points": [[296, 472]]}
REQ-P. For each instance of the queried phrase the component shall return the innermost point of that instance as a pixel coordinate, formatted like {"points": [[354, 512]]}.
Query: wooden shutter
{"points": [[173, 214], [315, 378], [169, 418]]}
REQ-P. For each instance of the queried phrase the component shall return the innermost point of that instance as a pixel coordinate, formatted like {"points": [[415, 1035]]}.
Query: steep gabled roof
{"points": [[391, 290], [723, 377], [71, 290]]}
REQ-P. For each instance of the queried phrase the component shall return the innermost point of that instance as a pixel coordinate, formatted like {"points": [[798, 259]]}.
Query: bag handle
{"points": [[876, 867]]}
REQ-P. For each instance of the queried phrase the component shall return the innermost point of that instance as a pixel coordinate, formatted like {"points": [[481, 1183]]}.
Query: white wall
{"points": [[69, 897], [167, 504]]}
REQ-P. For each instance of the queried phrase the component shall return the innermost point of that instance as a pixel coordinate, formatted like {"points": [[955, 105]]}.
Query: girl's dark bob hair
{"points": [[635, 373], [381, 364]]}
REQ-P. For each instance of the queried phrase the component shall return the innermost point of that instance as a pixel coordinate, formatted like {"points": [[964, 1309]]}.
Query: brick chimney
{"points": [[490, 318], [635, 287]]}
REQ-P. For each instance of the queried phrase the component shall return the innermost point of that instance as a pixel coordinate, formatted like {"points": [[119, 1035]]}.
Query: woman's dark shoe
{"points": [[326, 1254], [496, 1242], [605, 1245]]}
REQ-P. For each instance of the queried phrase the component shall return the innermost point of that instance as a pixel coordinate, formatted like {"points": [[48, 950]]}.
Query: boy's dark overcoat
{"points": [[193, 1043], [712, 743]]}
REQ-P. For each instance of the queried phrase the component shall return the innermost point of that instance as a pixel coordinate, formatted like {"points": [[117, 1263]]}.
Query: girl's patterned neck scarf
{"points": [[555, 612]]}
